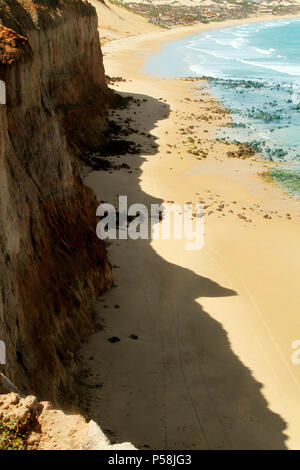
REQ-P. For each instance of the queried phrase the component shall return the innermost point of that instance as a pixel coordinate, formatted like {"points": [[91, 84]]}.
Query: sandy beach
{"points": [[209, 363]]}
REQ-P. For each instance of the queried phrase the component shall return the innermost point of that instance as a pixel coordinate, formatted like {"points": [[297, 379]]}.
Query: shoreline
{"points": [[176, 33], [160, 38], [211, 361]]}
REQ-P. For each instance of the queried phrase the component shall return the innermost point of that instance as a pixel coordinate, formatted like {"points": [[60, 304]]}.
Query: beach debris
{"points": [[114, 80], [114, 339], [135, 337]]}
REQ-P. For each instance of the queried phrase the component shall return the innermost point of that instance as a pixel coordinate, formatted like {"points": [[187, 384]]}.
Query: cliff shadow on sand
{"points": [[160, 372]]}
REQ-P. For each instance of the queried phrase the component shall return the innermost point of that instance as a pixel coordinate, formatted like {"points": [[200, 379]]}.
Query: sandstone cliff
{"points": [[52, 266]]}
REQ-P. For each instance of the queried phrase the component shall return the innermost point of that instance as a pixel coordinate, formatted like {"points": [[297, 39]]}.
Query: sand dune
{"points": [[116, 22]]}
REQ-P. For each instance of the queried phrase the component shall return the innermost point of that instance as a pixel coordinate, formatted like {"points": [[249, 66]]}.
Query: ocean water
{"points": [[254, 70]]}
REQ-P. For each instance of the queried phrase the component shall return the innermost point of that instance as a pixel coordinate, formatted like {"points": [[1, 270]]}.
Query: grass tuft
{"points": [[11, 437]]}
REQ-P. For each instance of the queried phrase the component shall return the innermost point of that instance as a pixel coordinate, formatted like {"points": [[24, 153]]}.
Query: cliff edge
{"points": [[52, 266]]}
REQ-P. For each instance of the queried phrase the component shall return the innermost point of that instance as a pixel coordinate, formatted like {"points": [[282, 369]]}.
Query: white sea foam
{"points": [[241, 33], [214, 54], [239, 43], [204, 71], [266, 51], [265, 135], [293, 70], [219, 41]]}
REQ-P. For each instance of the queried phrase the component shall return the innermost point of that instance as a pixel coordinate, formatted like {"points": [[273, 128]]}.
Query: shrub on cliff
{"points": [[11, 437]]}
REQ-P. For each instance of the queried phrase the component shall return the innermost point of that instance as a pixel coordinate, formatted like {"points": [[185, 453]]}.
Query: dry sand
{"points": [[211, 366], [116, 22]]}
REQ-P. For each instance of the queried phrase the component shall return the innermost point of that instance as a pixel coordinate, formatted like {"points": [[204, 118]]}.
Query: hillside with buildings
{"points": [[180, 12]]}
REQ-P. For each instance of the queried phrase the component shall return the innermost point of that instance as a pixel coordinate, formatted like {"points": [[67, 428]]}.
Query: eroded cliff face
{"points": [[52, 265]]}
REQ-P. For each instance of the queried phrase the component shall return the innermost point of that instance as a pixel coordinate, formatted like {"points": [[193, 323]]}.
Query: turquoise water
{"points": [[254, 70]]}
